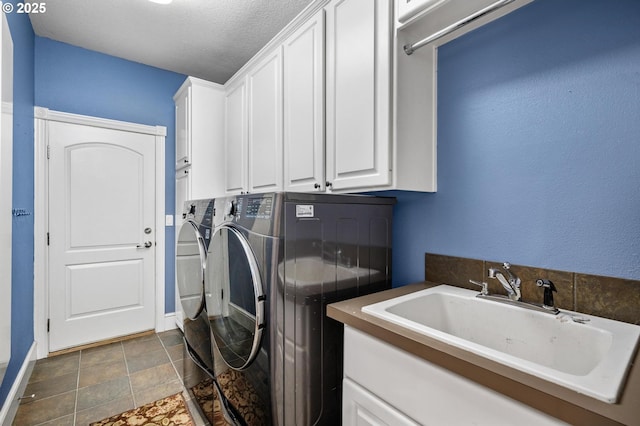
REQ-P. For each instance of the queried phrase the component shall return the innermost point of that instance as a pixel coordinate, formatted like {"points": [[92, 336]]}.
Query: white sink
{"points": [[591, 357]]}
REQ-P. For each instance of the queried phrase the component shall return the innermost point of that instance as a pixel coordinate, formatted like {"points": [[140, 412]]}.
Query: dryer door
{"points": [[234, 297], [190, 263]]}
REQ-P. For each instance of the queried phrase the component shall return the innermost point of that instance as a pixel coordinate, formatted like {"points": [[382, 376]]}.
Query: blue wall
{"points": [[22, 231], [80, 81], [538, 145]]}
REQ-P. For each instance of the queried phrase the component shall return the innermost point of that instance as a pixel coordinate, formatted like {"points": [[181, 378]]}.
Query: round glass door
{"points": [[234, 297], [190, 258]]}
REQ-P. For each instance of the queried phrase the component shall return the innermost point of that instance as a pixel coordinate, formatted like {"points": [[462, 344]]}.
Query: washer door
{"points": [[234, 297], [190, 263]]}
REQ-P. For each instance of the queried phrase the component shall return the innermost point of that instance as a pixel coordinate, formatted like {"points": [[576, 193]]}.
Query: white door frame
{"points": [[41, 214]]}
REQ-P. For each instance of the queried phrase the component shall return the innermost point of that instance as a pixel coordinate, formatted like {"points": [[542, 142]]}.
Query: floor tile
{"points": [[152, 377], [107, 353], [141, 345], [163, 390], [53, 386], [56, 366], [97, 383], [176, 352], [179, 366], [170, 338], [146, 360], [45, 410], [100, 394], [111, 408], [62, 421], [102, 373]]}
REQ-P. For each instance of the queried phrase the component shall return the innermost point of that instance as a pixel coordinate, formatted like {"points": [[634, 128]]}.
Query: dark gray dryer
{"points": [[274, 262]]}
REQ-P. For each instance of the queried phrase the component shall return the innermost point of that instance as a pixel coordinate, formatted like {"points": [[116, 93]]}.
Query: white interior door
{"points": [[101, 234]]}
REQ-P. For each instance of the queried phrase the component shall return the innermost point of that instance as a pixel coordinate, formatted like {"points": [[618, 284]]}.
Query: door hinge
{"points": [[48, 151], [47, 238], [48, 325]]}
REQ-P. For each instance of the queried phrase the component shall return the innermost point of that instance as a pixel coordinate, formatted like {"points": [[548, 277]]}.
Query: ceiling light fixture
{"points": [[161, 1]]}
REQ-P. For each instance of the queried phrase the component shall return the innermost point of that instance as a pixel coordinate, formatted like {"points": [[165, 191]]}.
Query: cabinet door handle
{"points": [[316, 185], [186, 172], [328, 184], [147, 244]]}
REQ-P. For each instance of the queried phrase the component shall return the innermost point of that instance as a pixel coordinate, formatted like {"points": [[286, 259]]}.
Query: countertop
{"points": [[543, 395]]}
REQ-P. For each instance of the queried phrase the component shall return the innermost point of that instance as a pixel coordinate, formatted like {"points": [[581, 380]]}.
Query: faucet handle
{"points": [[485, 286], [506, 266], [549, 288]]}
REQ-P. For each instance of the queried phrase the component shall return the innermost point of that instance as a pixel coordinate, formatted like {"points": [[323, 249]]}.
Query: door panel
{"points": [[88, 181], [101, 260], [265, 125], [303, 54], [358, 93], [236, 137], [103, 287]]}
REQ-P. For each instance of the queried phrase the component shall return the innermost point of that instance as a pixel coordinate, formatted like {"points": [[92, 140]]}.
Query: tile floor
{"points": [[89, 385]]}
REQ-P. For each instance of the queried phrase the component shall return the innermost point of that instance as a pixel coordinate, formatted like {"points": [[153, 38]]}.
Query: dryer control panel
{"points": [[258, 207]]}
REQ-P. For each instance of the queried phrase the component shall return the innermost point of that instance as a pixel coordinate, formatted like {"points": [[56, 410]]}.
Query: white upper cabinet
{"points": [[303, 56], [265, 124], [183, 145], [236, 141], [200, 136], [358, 114], [333, 103]]}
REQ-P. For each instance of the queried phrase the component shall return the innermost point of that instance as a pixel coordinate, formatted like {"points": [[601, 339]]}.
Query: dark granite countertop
{"points": [[543, 395]]}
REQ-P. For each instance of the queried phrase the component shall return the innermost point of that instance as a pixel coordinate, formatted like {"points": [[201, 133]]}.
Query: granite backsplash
{"points": [[607, 297]]}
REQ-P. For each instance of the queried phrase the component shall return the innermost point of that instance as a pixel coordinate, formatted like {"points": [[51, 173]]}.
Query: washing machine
{"points": [[191, 251], [274, 262]]}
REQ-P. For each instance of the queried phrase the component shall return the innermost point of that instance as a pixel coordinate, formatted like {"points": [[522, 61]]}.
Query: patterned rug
{"points": [[170, 411]]}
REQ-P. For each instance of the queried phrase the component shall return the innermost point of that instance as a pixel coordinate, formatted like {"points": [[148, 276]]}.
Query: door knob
{"points": [[147, 244]]}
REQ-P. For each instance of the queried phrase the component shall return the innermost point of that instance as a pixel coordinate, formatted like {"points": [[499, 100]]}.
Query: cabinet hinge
{"points": [[48, 151], [48, 325], [47, 238]]}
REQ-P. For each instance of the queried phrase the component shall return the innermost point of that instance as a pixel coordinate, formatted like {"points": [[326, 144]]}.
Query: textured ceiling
{"points": [[209, 39]]}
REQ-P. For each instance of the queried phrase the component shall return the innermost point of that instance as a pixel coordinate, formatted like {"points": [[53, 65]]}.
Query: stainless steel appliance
{"points": [[273, 264], [191, 249]]}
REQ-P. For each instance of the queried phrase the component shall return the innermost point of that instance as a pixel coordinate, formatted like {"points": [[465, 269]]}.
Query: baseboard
{"points": [[169, 323], [10, 406]]}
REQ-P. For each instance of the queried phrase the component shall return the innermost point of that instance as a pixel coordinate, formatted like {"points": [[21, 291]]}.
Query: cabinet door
{"points": [[236, 139], [362, 408], [183, 193], [303, 54], [358, 93], [183, 139], [265, 124]]}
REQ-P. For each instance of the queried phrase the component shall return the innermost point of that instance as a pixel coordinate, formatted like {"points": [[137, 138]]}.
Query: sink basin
{"points": [[588, 354]]}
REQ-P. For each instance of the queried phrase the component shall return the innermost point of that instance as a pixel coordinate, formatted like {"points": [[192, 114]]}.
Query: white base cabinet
{"points": [[393, 384], [363, 408]]}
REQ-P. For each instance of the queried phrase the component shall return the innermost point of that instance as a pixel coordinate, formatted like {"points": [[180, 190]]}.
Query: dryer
{"points": [[191, 249], [274, 262]]}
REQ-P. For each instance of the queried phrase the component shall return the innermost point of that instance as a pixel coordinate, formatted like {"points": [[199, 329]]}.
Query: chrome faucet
{"points": [[511, 284]]}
